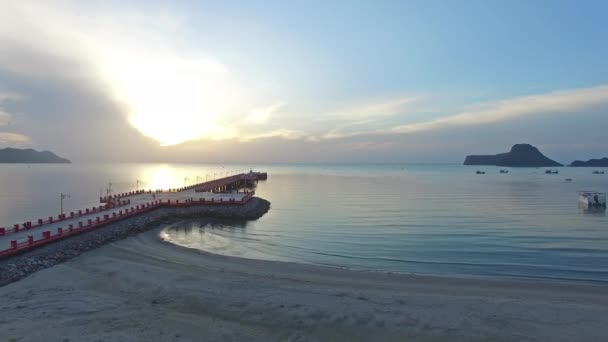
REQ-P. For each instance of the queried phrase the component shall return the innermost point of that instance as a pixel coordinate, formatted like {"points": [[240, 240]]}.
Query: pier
{"points": [[220, 192]]}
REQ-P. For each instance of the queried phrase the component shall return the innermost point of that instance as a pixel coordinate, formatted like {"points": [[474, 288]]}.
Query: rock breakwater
{"points": [[22, 265]]}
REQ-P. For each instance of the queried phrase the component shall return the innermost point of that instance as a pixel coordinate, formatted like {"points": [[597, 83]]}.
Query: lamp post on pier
{"points": [[62, 196]]}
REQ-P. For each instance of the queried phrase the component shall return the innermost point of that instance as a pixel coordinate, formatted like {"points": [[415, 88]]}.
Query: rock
{"points": [[591, 163], [521, 155]]}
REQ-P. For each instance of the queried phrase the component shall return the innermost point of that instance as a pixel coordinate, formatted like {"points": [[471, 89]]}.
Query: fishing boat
{"points": [[592, 200], [504, 171], [598, 172], [551, 172], [480, 172]]}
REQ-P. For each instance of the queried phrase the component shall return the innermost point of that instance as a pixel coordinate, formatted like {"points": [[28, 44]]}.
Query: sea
{"points": [[409, 218]]}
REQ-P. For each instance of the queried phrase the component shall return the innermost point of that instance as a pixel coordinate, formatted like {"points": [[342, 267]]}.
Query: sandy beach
{"points": [[144, 289]]}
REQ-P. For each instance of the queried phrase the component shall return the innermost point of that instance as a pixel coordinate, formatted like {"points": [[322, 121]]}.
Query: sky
{"points": [[303, 81]]}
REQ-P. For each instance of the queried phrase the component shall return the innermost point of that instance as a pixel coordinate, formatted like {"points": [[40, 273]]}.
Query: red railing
{"points": [[62, 217], [200, 187], [83, 226]]}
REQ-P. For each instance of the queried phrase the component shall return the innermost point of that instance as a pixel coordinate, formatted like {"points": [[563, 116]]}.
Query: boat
{"points": [[480, 172], [592, 200], [504, 171], [598, 172], [568, 179], [551, 172]]}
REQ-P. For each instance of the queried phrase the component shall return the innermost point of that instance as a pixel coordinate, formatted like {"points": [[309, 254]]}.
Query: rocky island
{"points": [[29, 156], [591, 163], [521, 155]]}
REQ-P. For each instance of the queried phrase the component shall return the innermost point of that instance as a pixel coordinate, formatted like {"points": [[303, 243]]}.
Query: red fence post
{"points": [[46, 234], [13, 244], [59, 231], [2, 231], [30, 240], [40, 222], [16, 226]]}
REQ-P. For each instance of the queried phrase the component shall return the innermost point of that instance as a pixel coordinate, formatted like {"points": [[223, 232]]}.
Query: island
{"points": [[521, 155], [29, 156], [591, 163]]}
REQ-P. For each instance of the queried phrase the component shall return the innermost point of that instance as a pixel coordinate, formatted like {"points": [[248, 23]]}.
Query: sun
{"points": [[172, 99]]}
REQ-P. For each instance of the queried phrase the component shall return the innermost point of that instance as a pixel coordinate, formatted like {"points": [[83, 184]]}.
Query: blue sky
{"points": [[383, 81]]}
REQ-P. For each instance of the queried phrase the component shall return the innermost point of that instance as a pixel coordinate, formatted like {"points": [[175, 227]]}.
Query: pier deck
{"points": [[222, 191]]}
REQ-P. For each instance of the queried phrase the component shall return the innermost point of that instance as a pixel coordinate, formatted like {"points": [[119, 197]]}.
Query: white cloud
{"points": [[14, 139], [566, 101], [371, 109], [278, 133], [261, 115], [144, 59]]}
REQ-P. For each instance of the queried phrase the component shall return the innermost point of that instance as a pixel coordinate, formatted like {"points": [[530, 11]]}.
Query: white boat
{"points": [[592, 200]]}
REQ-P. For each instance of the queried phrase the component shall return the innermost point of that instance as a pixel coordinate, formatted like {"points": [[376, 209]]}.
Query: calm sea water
{"points": [[434, 219]]}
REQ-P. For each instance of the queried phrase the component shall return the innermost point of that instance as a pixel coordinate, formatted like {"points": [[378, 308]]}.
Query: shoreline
{"points": [[513, 278], [524, 279], [123, 290]]}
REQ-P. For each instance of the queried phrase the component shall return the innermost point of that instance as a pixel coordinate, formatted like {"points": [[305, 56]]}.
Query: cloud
{"points": [[10, 96], [372, 109], [261, 115], [566, 101], [145, 60], [278, 133], [5, 117], [14, 139]]}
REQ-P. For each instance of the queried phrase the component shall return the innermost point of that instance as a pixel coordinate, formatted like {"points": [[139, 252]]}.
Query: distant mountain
{"points": [[521, 155], [29, 156], [591, 162]]}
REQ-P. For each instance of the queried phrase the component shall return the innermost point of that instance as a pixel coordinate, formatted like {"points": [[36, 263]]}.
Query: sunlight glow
{"points": [[172, 99], [161, 177]]}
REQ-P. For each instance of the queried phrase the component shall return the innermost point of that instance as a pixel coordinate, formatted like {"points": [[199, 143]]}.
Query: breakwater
{"points": [[21, 265]]}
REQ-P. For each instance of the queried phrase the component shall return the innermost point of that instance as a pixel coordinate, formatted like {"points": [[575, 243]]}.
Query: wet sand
{"points": [[144, 289]]}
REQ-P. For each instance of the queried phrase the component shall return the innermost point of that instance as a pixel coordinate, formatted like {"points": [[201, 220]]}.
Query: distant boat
{"points": [[598, 172], [504, 171], [480, 172], [592, 200], [568, 179], [551, 172]]}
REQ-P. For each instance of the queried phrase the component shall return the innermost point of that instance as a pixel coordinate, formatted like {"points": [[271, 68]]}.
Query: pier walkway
{"points": [[223, 191]]}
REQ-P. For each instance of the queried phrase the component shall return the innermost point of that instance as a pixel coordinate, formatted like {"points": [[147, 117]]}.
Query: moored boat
{"points": [[592, 200]]}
